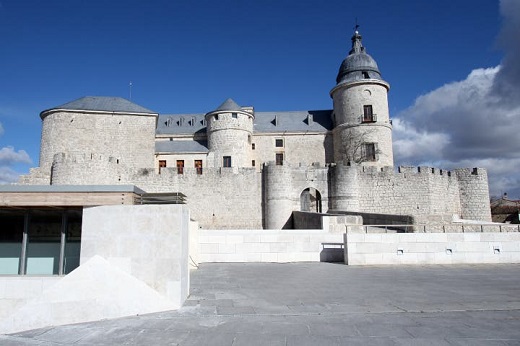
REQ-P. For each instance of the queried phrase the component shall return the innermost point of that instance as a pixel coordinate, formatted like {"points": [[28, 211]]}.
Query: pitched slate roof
{"points": [[294, 121], [102, 103], [265, 122], [180, 146]]}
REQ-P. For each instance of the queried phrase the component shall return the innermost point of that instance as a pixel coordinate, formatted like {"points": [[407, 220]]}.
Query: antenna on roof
{"points": [[356, 27], [130, 90]]}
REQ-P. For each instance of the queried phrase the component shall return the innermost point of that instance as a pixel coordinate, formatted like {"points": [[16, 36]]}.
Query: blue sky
{"points": [[188, 57]]}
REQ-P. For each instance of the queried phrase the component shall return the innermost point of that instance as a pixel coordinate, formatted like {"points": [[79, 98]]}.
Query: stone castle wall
{"points": [[428, 194], [229, 198]]}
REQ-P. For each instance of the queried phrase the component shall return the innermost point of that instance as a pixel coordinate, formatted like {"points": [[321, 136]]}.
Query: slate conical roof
{"points": [[358, 64], [103, 104], [228, 105]]}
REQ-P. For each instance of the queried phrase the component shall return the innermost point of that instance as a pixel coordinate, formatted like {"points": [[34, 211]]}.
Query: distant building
{"points": [[242, 169], [505, 210]]}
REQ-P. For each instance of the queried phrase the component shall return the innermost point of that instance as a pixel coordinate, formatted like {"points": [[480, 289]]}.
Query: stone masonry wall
{"points": [[128, 138], [428, 194], [228, 198], [474, 193]]}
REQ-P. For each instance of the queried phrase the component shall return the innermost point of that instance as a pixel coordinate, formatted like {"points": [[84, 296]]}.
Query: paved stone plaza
{"points": [[320, 304]]}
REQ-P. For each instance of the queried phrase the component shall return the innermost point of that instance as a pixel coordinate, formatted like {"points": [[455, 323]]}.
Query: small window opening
{"points": [[370, 152], [279, 143], [253, 163], [365, 75], [368, 114], [226, 161], [180, 166], [198, 166], [162, 163], [279, 159], [234, 115], [216, 116], [253, 146]]}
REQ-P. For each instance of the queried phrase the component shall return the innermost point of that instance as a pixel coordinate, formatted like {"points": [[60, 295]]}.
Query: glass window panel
{"points": [[73, 241], [43, 246], [11, 234]]}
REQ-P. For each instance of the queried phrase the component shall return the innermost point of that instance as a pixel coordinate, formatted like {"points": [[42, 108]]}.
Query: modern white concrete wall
{"points": [[264, 245], [15, 291], [431, 248], [134, 260], [149, 242]]}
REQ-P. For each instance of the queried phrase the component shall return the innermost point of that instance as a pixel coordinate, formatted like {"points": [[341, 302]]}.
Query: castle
{"points": [[241, 169]]}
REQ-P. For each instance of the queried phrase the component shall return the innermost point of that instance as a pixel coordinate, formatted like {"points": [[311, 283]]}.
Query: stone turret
{"points": [[94, 133], [362, 128], [229, 130]]}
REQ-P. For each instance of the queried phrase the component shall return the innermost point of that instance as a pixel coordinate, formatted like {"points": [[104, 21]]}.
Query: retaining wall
{"points": [[263, 245], [431, 248]]}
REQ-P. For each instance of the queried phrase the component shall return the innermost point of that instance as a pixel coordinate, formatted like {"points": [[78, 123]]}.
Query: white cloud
{"points": [[9, 156], [8, 175], [474, 122], [464, 124]]}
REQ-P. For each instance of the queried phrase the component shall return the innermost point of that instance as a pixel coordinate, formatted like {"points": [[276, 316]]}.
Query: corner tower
{"points": [[362, 128]]}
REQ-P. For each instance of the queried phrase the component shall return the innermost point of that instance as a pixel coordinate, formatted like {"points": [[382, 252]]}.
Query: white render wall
{"points": [[431, 248]]}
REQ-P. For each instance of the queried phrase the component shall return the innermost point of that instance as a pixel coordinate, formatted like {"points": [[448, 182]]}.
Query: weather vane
{"points": [[357, 26]]}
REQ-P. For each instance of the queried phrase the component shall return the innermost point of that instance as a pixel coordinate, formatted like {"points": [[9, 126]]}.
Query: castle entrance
{"points": [[310, 200]]}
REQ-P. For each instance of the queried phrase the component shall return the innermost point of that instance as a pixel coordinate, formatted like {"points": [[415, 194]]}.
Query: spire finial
{"points": [[357, 47]]}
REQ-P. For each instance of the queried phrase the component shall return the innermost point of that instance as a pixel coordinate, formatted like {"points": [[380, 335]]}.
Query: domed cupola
{"points": [[358, 64]]}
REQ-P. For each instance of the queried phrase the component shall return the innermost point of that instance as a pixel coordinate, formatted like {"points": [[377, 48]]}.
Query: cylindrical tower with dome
{"points": [[362, 128]]}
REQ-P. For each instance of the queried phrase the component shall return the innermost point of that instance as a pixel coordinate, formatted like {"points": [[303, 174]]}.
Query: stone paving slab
{"points": [[320, 304]]}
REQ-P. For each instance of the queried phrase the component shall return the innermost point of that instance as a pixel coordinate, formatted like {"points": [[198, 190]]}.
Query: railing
{"points": [[444, 228], [161, 198]]}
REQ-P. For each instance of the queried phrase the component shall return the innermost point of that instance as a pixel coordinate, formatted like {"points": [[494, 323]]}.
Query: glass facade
{"points": [[40, 241]]}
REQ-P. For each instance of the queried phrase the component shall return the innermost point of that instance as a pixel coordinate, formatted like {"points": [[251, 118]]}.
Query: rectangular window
{"points": [[368, 114], [162, 163], [253, 163], [226, 161], [40, 241], [198, 166], [253, 146], [370, 152], [365, 75], [279, 159], [11, 241], [180, 166], [234, 115], [279, 143]]}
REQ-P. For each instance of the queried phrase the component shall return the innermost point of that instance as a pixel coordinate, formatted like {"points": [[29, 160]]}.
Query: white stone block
{"points": [[472, 237], [270, 238], [226, 248], [269, 257], [234, 239], [277, 247], [209, 248]]}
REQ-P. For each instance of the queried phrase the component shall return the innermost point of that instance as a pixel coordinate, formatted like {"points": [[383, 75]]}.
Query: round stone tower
{"points": [[229, 130], [362, 129]]}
